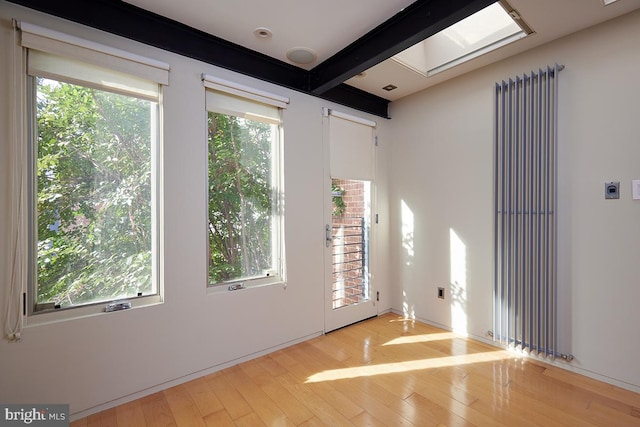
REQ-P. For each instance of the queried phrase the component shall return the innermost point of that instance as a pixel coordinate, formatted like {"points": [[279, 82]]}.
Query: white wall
{"points": [[440, 145], [93, 360], [442, 167]]}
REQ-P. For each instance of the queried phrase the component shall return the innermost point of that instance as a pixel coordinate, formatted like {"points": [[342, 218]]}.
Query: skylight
{"points": [[482, 32]]}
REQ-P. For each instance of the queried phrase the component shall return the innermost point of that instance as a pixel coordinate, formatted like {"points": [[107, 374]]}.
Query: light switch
{"points": [[635, 185]]}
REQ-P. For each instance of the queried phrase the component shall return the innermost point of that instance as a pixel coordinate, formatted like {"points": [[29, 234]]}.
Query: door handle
{"points": [[327, 236]]}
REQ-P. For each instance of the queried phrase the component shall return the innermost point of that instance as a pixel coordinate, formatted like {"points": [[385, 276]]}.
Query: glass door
{"points": [[350, 163], [348, 284]]}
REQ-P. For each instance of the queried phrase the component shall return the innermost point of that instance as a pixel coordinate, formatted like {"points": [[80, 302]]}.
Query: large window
{"points": [[94, 142], [244, 189]]}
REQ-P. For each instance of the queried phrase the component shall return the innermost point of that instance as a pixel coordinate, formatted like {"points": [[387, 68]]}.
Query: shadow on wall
{"points": [[457, 300], [458, 282], [407, 227]]}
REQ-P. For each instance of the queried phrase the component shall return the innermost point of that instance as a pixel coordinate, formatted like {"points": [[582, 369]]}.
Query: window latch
{"points": [[117, 306]]}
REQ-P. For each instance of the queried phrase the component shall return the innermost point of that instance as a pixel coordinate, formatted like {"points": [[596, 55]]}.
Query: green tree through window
{"points": [[93, 194], [241, 197]]}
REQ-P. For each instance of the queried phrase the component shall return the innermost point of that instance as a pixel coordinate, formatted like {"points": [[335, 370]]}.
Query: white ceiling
{"points": [[328, 26], [324, 26]]}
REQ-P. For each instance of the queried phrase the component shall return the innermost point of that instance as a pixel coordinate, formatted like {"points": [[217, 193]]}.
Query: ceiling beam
{"points": [[345, 94], [126, 20], [415, 23], [412, 25]]}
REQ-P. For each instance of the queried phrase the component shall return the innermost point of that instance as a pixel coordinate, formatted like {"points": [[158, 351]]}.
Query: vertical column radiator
{"points": [[525, 192]]}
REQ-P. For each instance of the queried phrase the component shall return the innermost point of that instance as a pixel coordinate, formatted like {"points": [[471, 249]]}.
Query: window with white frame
{"points": [[245, 221], [94, 115]]}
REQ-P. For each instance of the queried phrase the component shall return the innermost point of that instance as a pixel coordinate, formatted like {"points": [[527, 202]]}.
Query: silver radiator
{"points": [[525, 270]]}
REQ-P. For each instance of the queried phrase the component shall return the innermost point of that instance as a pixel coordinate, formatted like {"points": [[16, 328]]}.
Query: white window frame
{"points": [[231, 98], [147, 75]]}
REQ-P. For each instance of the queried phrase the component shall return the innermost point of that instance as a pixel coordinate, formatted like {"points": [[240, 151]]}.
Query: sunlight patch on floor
{"points": [[410, 365], [412, 339]]}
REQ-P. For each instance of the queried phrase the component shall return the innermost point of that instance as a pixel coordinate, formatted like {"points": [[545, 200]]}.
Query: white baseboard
{"points": [[187, 378], [559, 363]]}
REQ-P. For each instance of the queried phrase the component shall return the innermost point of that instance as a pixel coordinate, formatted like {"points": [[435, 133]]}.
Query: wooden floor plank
{"points": [[302, 366], [434, 414], [156, 411], [383, 371], [467, 413], [608, 417], [182, 406], [103, 419], [219, 419], [287, 402], [130, 414], [250, 420], [595, 386], [364, 392], [271, 366], [203, 396], [259, 401], [326, 413], [230, 398], [312, 422], [365, 419]]}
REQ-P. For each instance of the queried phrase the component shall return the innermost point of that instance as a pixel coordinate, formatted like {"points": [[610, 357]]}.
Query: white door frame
{"points": [[337, 318]]}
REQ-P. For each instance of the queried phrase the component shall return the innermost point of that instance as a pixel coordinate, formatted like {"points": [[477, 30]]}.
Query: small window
{"points": [[244, 190], [94, 142]]}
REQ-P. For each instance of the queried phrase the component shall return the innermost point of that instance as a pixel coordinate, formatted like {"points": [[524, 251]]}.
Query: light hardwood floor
{"points": [[384, 371]]}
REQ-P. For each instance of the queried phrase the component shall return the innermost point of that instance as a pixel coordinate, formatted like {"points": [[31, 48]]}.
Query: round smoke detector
{"points": [[301, 55], [262, 33]]}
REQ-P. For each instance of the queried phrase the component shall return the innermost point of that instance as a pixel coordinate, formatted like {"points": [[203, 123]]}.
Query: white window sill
{"points": [[226, 287], [89, 310]]}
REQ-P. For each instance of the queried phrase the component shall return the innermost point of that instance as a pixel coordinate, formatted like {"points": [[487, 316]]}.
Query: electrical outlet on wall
{"points": [[440, 292]]}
